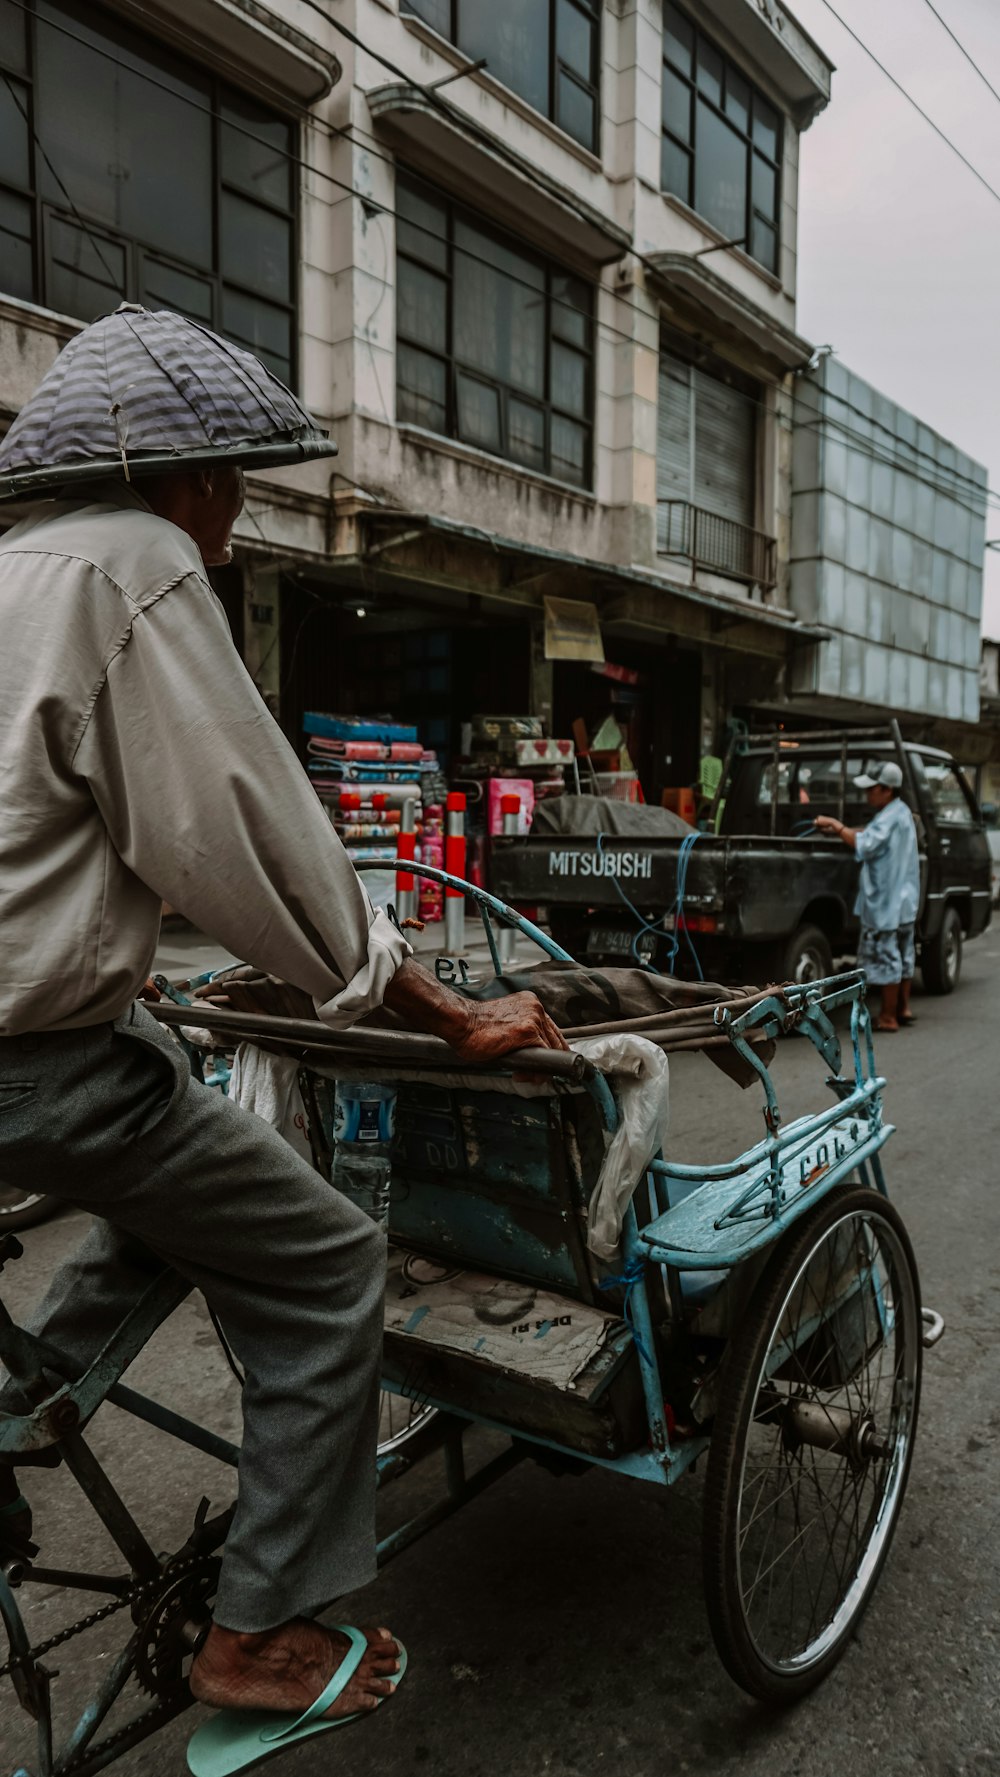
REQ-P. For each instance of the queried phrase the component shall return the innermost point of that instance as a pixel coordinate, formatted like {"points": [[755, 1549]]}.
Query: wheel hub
{"points": [[837, 1429]]}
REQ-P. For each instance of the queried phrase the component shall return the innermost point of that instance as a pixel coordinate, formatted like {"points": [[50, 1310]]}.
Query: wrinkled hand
{"points": [[247, 989], [495, 1027]]}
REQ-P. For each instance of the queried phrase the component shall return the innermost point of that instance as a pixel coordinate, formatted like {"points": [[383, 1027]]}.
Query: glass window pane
{"points": [[569, 450], [497, 253], [676, 105], [765, 188], [260, 327], [165, 286], [526, 433], [16, 277], [678, 39], [85, 272], [422, 306], [575, 39], [575, 111], [569, 379], [948, 800], [421, 226], [765, 127], [571, 310], [436, 13], [499, 321], [515, 49], [737, 98], [255, 246], [255, 149], [675, 170], [13, 37], [15, 165], [710, 67], [478, 414], [129, 131], [720, 173], [421, 390], [764, 244]]}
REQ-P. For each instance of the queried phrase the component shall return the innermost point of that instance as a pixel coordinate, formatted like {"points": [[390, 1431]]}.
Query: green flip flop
{"points": [[235, 1739]]}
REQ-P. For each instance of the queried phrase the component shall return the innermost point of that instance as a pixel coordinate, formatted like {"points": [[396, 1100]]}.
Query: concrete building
{"points": [[888, 534], [535, 267]]}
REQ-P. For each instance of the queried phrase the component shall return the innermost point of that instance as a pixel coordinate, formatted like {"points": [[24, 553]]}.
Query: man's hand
{"points": [[827, 824], [498, 1026], [477, 1031]]}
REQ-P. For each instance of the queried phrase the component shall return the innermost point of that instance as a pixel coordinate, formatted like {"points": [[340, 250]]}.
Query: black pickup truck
{"points": [[765, 897]]}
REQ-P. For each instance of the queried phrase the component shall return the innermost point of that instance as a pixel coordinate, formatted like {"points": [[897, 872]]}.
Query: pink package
{"points": [[522, 787]]}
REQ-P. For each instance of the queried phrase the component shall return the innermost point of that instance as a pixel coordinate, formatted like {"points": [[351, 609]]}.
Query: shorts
{"points": [[887, 957]]}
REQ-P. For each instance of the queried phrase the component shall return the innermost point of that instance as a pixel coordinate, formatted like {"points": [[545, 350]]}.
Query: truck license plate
{"points": [[617, 940]]}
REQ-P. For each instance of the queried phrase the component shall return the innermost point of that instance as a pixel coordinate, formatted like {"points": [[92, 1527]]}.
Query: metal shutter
{"points": [[674, 446], [724, 450]]}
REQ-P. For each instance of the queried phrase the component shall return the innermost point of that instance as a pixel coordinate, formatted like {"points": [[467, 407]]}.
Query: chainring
{"points": [[171, 1624]]}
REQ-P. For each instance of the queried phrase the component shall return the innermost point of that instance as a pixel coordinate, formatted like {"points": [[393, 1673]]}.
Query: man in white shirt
{"points": [[139, 764]]}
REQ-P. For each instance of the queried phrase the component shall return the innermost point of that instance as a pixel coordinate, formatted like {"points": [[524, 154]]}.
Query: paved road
{"points": [[557, 1625]]}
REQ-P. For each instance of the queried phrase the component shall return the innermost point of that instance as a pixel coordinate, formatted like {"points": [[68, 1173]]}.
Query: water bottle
{"points": [[363, 1120]]}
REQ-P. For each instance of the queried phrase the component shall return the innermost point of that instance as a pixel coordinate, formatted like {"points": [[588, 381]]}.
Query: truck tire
{"points": [[807, 956], [941, 956]]}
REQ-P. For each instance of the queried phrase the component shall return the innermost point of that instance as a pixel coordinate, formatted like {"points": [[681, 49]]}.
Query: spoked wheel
{"points": [[812, 1444], [402, 1424]]}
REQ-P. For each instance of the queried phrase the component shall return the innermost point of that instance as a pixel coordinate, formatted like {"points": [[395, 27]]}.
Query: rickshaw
{"points": [[762, 1315]]}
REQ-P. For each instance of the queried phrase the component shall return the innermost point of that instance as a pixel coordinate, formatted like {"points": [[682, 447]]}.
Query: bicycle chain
{"points": [[133, 1596]]}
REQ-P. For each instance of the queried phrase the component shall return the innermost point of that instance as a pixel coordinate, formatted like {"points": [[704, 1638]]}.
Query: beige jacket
{"points": [[139, 764]]}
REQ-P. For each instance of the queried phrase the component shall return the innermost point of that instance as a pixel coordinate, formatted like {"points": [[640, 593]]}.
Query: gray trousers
{"points": [[109, 1119]]}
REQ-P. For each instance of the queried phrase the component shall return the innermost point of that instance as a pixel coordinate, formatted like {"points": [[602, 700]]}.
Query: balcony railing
{"points": [[720, 544]]}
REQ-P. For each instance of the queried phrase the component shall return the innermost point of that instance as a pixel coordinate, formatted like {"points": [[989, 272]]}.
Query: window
{"points": [[149, 181], [721, 140], [949, 799], [552, 61], [494, 342]]}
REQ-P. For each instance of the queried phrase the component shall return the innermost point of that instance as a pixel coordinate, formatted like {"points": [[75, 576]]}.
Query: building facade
{"points": [[533, 264], [888, 536]]}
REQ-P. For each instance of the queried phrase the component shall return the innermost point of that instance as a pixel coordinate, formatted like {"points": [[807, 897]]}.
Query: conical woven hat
{"points": [[140, 392]]}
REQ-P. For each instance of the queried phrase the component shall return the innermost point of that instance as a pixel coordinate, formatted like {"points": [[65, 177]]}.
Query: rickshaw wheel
{"points": [[811, 1445]]}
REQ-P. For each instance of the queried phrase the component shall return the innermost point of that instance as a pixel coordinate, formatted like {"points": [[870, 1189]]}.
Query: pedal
{"points": [[933, 1327]]}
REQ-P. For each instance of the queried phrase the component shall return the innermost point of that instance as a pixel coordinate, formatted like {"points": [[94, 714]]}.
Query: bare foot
{"points": [[887, 1024], [285, 1669]]}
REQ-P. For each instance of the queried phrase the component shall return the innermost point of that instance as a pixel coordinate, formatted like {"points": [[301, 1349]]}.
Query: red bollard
{"points": [[454, 863], [406, 845], [510, 810]]}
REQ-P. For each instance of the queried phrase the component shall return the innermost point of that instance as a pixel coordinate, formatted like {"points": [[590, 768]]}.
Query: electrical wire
{"points": [[951, 488], [957, 41], [900, 88]]}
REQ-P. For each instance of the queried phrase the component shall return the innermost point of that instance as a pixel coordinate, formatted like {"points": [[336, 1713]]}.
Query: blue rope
{"points": [[627, 1281], [688, 844], [644, 924]]}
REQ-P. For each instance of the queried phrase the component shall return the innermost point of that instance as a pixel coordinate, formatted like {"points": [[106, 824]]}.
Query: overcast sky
{"points": [[899, 245]]}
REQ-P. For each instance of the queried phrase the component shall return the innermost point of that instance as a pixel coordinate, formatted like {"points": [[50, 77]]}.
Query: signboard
{"points": [[572, 631]]}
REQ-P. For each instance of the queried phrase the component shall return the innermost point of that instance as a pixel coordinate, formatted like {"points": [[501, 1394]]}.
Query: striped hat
{"points": [[139, 393]]}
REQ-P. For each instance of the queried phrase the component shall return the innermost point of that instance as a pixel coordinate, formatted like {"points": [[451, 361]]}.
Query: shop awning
{"points": [[460, 157], [722, 308], [628, 598]]}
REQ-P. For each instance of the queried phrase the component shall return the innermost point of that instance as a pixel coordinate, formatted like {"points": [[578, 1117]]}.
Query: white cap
{"points": [[890, 777]]}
